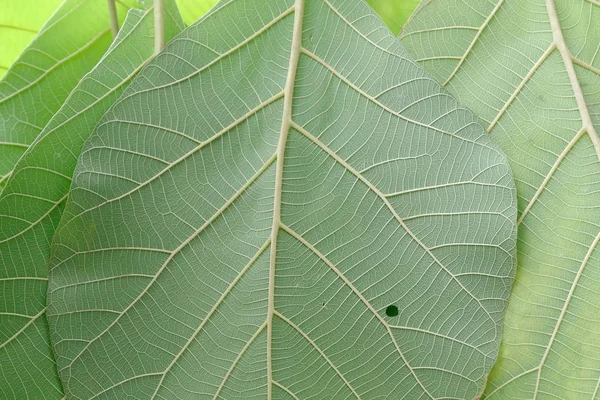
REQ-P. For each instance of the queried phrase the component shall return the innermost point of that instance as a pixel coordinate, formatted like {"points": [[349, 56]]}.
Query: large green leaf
{"points": [[286, 206], [31, 205], [531, 71], [20, 21]]}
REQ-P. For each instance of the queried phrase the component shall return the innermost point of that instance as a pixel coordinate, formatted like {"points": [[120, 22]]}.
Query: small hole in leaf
{"points": [[391, 311]]}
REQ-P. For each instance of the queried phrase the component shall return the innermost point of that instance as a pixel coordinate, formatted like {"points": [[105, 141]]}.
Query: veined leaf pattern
{"points": [[242, 218]]}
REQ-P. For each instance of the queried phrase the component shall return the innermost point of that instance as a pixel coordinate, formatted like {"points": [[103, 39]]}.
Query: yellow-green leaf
{"points": [[20, 21], [531, 71], [192, 10]]}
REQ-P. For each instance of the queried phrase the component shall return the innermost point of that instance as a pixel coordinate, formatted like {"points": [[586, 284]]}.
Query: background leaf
{"points": [[531, 71], [20, 21], [32, 202], [394, 12], [246, 217], [192, 10], [70, 44]]}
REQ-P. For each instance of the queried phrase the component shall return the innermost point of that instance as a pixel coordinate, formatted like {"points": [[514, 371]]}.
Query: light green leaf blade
{"points": [[531, 71], [68, 46], [32, 202], [394, 12], [192, 10], [20, 21], [262, 192]]}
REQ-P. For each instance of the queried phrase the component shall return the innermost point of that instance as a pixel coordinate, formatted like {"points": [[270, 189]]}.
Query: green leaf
{"points": [[20, 21], [69, 45], [32, 202], [261, 197], [531, 71], [192, 10], [394, 12]]}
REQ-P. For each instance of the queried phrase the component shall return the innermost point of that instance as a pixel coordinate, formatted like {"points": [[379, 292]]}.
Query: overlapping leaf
{"points": [[246, 217], [69, 45], [20, 21], [531, 71], [31, 205]]}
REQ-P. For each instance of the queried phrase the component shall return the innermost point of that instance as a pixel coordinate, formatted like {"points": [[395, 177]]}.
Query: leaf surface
{"points": [[32, 202], [283, 207], [20, 21], [531, 71]]}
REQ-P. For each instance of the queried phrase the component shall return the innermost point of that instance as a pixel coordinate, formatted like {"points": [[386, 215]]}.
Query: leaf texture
{"points": [[31, 206], [243, 218], [20, 21], [531, 71]]}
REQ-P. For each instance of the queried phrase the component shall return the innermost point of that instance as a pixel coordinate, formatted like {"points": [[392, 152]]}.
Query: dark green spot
{"points": [[391, 311]]}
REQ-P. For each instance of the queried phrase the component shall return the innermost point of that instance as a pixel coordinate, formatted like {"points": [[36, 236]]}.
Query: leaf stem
{"points": [[159, 25], [114, 21]]}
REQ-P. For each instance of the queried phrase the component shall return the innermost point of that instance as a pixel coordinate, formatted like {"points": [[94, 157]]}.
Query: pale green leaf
{"points": [[31, 205], [20, 21], [531, 71], [263, 191]]}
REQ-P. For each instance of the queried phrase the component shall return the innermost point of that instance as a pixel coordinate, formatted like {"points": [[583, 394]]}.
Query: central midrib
{"points": [[286, 122]]}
